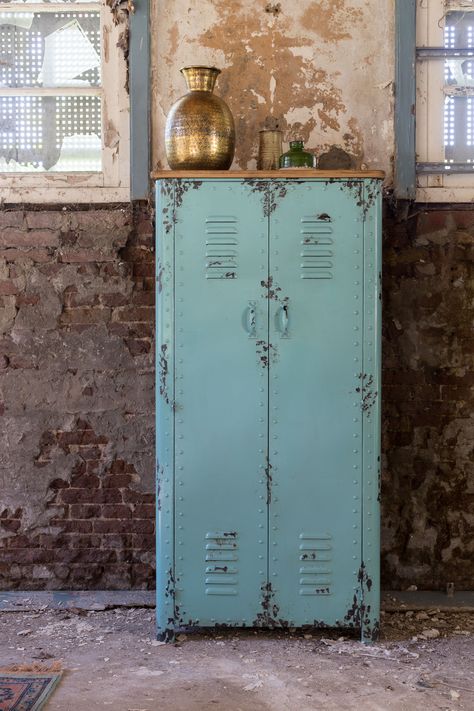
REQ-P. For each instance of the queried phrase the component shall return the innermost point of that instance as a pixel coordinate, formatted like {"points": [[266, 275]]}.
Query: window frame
{"points": [[419, 94], [112, 184]]}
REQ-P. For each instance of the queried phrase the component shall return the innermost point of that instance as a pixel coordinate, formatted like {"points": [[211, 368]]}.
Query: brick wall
{"points": [[428, 390], [76, 399]]}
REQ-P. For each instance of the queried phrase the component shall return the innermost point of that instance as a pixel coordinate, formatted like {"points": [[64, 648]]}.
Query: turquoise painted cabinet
{"points": [[268, 382]]}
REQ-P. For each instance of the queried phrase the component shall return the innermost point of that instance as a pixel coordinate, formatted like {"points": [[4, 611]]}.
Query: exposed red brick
{"points": [[462, 219], [143, 269], [86, 481], [47, 220], [138, 347], [12, 237], [60, 255], [27, 299], [432, 221], [113, 526], [144, 511], [142, 526], [25, 255], [114, 299], [117, 481], [11, 218], [73, 256], [83, 315], [10, 524], [143, 541], [142, 298], [133, 313], [8, 288], [73, 526], [116, 511]]}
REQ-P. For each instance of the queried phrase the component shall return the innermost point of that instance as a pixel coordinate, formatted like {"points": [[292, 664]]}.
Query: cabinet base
{"points": [[369, 632]]}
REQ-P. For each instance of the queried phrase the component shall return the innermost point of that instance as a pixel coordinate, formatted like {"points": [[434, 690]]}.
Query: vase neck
{"points": [[200, 78]]}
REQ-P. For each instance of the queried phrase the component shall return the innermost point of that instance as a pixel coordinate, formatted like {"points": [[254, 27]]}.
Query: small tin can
{"points": [[269, 149]]}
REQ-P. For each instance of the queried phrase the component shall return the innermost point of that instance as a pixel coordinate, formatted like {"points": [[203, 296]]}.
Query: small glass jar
{"points": [[297, 157]]}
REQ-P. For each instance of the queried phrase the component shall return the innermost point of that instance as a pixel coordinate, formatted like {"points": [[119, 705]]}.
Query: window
{"points": [[64, 123], [445, 100]]}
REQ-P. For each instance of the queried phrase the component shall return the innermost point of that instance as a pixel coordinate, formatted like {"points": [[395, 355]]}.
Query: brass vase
{"points": [[200, 131]]}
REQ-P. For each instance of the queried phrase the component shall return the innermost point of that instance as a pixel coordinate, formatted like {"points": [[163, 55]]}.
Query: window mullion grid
{"points": [[54, 96]]}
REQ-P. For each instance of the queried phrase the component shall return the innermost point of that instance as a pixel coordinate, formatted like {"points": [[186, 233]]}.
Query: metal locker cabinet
{"points": [[212, 405], [321, 394], [267, 401]]}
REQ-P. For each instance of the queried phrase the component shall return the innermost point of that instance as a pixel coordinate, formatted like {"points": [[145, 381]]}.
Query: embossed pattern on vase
{"points": [[200, 131]]}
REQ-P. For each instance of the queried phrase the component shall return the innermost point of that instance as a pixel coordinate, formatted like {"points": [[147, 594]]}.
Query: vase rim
{"points": [[200, 66]]}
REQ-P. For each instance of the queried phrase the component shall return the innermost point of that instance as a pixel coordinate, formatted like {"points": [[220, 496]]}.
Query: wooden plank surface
{"points": [[284, 173]]}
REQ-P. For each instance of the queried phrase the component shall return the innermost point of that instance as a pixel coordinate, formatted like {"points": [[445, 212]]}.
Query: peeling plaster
{"points": [[309, 65], [332, 20]]}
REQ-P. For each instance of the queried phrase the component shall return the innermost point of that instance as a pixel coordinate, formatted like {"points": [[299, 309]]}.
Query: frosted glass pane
{"points": [[459, 129], [51, 49], [50, 133], [459, 78]]}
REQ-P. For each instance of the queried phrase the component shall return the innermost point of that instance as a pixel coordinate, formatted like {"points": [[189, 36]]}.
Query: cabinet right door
{"points": [[315, 346]]}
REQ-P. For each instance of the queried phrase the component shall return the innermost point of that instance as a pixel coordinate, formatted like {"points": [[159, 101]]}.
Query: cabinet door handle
{"points": [[283, 319], [250, 319]]}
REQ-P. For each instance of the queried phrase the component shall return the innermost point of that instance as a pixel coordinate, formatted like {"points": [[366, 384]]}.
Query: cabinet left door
{"points": [[212, 403]]}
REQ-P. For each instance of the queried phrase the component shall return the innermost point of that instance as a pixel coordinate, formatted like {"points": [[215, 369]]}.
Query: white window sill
{"points": [[63, 195]]}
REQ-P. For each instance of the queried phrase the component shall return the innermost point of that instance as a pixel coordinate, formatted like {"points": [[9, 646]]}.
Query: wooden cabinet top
{"points": [[265, 174]]}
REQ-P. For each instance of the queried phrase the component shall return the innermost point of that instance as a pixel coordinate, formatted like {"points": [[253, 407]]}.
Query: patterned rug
{"points": [[26, 692]]}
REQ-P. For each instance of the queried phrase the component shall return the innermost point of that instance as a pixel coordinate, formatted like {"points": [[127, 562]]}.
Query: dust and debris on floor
{"points": [[425, 660]]}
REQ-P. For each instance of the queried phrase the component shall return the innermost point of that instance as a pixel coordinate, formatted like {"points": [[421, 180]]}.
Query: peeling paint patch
{"points": [[367, 392], [266, 353], [163, 367], [272, 290], [270, 41], [268, 617], [182, 187], [173, 37], [332, 20], [159, 278], [121, 10], [269, 478]]}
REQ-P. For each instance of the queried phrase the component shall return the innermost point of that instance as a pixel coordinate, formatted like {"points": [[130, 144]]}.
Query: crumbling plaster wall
{"points": [[76, 397], [428, 400], [76, 316], [323, 67]]}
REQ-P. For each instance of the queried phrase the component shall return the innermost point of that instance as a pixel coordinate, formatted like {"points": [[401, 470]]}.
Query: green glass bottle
{"points": [[297, 157]]}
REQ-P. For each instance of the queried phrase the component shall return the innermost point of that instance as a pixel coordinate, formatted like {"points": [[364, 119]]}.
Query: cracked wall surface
{"points": [[77, 407], [76, 316], [76, 398], [428, 401], [325, 68]]}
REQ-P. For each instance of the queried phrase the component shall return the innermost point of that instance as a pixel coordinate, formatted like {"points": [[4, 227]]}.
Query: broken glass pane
{"points": [[459, 34], [50, 49], [53, 133], [459, 89]]}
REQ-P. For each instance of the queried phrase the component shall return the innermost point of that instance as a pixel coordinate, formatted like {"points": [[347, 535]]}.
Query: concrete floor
{"points": [[110, 659]]}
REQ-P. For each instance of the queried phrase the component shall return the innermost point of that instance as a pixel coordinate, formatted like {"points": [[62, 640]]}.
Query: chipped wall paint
{"points": [[325, 67], [76, 398]]}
